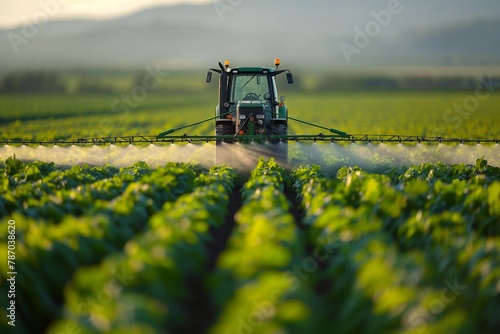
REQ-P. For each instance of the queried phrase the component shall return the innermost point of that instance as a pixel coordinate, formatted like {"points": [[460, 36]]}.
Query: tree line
{"points": [[43, 82]]}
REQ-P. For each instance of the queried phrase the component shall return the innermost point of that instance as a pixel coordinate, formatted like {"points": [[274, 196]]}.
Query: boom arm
{"points": [[336, 136]]}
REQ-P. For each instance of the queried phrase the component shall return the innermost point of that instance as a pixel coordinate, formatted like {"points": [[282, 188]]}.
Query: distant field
{"points": [[53, 117], [398, 113]]}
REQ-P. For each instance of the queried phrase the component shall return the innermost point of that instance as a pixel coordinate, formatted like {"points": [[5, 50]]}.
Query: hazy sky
{"points": [[17, 12]]}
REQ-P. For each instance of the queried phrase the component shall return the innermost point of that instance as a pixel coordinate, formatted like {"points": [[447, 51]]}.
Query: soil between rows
{"points": [[200, 306]]}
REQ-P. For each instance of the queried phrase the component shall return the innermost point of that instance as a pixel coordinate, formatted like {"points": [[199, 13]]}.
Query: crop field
{"points": [[184, 249], [347, 238]]}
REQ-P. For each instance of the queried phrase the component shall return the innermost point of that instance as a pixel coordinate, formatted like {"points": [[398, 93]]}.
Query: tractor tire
{"points": [[279, 147], [277, 130], [224, 147], [224, 130]]}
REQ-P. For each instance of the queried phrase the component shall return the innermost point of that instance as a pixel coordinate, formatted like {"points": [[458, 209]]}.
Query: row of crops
{"points": [[185, 249]]}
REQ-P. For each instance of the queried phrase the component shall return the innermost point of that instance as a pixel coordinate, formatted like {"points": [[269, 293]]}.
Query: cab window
{"points": [[249, 87]]}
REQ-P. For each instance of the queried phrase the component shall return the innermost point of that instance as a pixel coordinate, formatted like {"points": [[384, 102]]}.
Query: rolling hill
{"points": [[448, 33]]}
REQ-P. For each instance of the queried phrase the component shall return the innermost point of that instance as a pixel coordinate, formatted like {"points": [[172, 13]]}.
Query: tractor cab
{"points": [[248, 101], [252, 88]]}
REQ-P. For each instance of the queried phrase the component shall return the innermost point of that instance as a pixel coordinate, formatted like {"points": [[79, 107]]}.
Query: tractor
{"points": [[249, 112]]}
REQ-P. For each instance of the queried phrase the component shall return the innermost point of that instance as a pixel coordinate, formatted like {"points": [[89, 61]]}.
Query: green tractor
{"points": [[249, 113]]}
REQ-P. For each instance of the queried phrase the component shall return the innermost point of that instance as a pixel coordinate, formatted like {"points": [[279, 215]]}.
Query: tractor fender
{"points": [[279, 121], [223, 121]]}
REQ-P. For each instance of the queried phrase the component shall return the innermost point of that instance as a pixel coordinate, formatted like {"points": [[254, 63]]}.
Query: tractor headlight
{"points": [[261, 116], [242, 116]]}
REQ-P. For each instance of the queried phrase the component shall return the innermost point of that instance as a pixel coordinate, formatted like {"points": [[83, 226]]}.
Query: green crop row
{"points": [[409, 254], [54, 193], [249, 283], [47, 253], [146, 288]]}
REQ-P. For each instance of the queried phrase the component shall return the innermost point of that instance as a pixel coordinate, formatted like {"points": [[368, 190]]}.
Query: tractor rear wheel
{"points": [[279, 129], [279, 147], [224, 130], [223, 147]]}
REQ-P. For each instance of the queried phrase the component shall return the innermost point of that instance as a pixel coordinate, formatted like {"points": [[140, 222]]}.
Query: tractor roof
{"points": [[252, 69]]}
